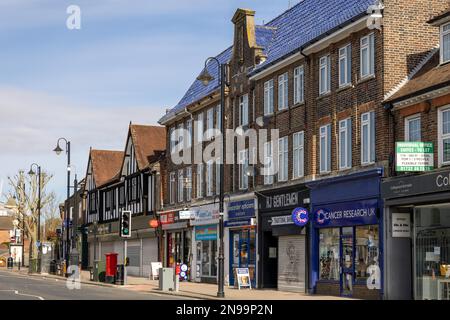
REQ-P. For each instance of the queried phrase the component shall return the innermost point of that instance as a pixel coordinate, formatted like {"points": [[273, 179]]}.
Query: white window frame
{"points": [[199, 180], [283, 159], [268, 162], [243, 110], [345, 129], [324, 65], [371, 138], [180, 188], [283, 91], [325, 136], [172, 139], [189, 183], [209, 179], [218, 164], [442, 35], [370, 58], [408, 120], [218, 116], [442, 136], [299, 85], [189, 131], [172, 187], [298, 155], [209, 123], [200, 130], [243, 164], [268, 97], [345, 58]]}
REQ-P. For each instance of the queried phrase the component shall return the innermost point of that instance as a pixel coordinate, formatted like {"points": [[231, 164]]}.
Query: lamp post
{"points": [[206, 78], [58, 151], [31, 173]]}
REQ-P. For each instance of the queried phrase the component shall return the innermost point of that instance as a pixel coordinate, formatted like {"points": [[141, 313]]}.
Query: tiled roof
{"points": [[303, 23], [432, 75], [105, 165], [147, 141]]}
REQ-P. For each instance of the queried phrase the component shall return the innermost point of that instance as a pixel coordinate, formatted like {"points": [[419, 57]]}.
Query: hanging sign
{"points": [[243, 278], [300, 217]]}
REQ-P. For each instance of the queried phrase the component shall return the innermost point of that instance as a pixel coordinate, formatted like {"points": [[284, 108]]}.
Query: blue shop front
{"points": [[347, 236]]}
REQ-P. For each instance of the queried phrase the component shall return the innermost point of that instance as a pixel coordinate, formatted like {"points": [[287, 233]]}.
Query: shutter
{"points": [[349, 142], [328, 168], [134, 253], [107, 247], [150, 254], [291, 263], [372, 136]]}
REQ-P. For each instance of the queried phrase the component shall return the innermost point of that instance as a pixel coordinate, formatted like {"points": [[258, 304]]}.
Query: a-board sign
{"points": [[243, 278]]}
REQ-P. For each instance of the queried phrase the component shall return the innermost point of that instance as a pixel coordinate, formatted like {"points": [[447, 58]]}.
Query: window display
{"points": [[367, 250], [329, 254]]}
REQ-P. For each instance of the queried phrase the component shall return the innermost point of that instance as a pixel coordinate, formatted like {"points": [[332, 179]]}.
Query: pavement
{"points": [[144, 288]]}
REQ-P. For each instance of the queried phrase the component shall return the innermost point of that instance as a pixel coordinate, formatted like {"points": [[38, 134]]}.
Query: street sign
{"points": [[414, 156]]}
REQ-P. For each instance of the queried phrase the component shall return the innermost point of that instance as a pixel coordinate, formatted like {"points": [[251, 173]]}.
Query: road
{"points": [[15, 286]]}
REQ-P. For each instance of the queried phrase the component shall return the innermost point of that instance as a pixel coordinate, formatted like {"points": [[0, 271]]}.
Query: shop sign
{"points": [[282, 199], [167, 218], [241, 209], [281, 220], [209, 212], [347, 214], [238, 223], [186, 215], [401, 225], [300, 216], [414, 156], [243, 278], [207, 232]]}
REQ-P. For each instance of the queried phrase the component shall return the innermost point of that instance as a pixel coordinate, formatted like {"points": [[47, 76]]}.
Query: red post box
{"points": [[111, 264]]}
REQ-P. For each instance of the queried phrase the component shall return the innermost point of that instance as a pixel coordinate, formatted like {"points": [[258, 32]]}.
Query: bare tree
{"points": [[24, 189]]}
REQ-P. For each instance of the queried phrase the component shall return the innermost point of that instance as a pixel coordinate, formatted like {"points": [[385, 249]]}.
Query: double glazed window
{"points": [[412, 128], [268, 97], [345, 144], [444, 135], [243, 165], [445, 43], [172, 187], [324, 75], [243, 110], [368, 137], [180, 186], [209, 178], [209, 123], [325, 148], [189, 132], [188, 184], [367, 56], [200, 180], [199, 130], [299, 85], [283, 91], [298, 155], [283, 159], [345, 66], [268, 163]]}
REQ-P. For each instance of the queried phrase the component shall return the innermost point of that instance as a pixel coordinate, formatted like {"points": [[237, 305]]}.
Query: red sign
{"points": [[167, 218]]}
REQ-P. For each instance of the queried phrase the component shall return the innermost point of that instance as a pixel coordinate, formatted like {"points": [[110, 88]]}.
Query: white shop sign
{"points": [[282, 220], [401, 225]]}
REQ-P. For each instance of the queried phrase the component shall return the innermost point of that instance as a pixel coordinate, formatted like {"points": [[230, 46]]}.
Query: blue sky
{"points": [[129, 62]]}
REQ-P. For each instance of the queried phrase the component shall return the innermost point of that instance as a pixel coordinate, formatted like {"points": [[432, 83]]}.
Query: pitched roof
{"points": [[304, 23], [147, 141], [440, 16], [106, 165], [431, 76]]}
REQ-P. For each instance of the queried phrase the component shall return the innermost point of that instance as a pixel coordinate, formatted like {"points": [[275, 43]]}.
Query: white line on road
{"points": [[24, 294]]}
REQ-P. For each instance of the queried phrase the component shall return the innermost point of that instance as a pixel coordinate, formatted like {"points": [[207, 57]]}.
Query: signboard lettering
{"points": [[350, 213], [401, 225], [243, 278], [414, 156], [281, 220]]}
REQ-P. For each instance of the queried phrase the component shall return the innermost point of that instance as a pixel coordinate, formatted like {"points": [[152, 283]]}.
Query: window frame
{"points": [[442, 35], [327, 74], [200, 128], [300, 149], [268, 97], [347, 130], [268, 179], [299, 85], [199, 181], [188, 139], [347, 58], [409, 119], [283, 91], [209, 178], [180, 186], [370, 46], [372, 135], [172, 188], [243, 164], [243, 110], [442, 136], [189, 184], [326, 135], [283, 157]]}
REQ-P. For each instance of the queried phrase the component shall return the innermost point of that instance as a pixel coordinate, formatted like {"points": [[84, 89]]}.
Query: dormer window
{"points": [[445, 43]]}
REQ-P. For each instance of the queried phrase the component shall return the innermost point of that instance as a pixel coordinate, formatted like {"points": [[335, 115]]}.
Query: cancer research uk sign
{"points": [[414, 156], [347, 214]]}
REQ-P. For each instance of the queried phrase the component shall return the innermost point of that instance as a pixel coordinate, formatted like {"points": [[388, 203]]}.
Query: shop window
{"points": [[367, 250], [329, 254]]}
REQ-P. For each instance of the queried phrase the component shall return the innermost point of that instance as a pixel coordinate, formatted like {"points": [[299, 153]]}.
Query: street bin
{"points": [[99, 271], [52, 269], [111, 267], [166, 279], [10, 263], [120, 273]]}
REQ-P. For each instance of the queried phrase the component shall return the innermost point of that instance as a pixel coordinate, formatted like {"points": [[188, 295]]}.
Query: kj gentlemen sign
{"points": [[347, 214], [414, 156], [286, 199]]}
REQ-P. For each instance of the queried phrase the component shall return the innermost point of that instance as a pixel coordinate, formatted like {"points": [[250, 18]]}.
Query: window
{"points": [[172, 188], [188, 184], [268, 97], [345, 144], [209, 123], [180, 186], [298, 155], [324, 75], [345, 66], [368, 56], [180, 137], [283, 91], [368, 137], [172, 139], [299, 85], [209, 178], [218, 117], [445, 43], [218, 175], [325, 148], [268, 163], [366, 250], [444, 135], [329, 254], [412, 128], [243, 165], [200, 127], [122, 196], [189, 130], [283, 159], [200, 180], [243, 110]]}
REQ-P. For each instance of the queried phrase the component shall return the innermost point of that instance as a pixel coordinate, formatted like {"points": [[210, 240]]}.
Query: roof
{"points": [[302, 24], [432, 75], [440, 16], [147, 141], [106, 165]]}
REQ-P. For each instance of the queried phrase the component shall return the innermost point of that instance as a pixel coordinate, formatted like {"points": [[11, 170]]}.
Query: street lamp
{"points": [[32, 173], [58, 151], [206, 78]]}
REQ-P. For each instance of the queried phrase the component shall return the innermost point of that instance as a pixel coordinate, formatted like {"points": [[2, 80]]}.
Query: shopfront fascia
{"points": [[282, 245], [240, 225], [417, 234], [346, 236]]}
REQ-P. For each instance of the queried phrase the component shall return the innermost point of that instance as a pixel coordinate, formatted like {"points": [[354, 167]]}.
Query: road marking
{"points": [[24, 294]]}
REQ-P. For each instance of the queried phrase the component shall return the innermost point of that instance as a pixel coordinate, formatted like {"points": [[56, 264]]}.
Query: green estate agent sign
{"points": [[414, 156]]}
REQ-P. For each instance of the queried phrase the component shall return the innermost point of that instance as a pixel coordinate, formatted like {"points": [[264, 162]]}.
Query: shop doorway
{"points": [[347, 258], [243, 253], [207, 260], [269, 268]]}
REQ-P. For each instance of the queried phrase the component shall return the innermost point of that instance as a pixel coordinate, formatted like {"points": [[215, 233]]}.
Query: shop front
{"points": [[418, 236], [346, 236], [206, 230], [282, 243], [241, 228], [178, 240]]}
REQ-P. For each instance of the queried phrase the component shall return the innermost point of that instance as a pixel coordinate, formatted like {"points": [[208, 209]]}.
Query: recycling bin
{"points": [[10, 263]]}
